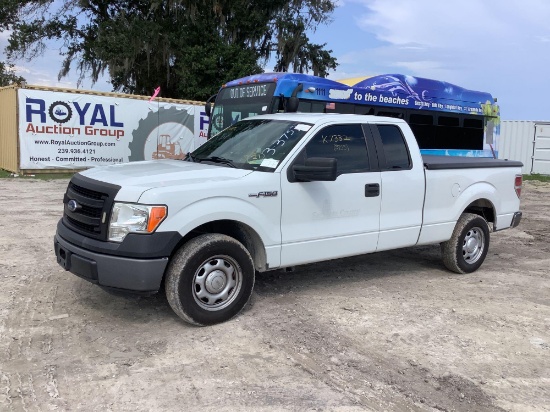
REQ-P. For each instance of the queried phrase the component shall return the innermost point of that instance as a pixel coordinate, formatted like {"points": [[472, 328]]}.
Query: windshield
{"points": [[238, 102], [256, 144]]}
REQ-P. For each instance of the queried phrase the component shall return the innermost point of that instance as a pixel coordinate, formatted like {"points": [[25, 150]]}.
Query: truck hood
{"points": [[137, 177]]}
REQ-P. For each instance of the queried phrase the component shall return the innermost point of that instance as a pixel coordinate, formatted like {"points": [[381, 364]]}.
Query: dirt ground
{"points": [[393, 331]]}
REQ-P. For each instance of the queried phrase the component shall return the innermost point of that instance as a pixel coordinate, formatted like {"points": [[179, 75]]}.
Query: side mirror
{"points": [[322, 169], [292, 104], [293, 101]]}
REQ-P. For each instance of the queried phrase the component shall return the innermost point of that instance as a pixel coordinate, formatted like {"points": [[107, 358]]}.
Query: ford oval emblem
{"points": [[73, 205]]}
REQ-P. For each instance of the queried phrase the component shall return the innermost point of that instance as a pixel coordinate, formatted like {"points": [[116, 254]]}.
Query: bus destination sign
{"points": [[248, 91]]}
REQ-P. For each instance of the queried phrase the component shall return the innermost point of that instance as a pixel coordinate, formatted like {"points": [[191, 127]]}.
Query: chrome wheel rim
{"points": [[217, 282], [473, 245]]}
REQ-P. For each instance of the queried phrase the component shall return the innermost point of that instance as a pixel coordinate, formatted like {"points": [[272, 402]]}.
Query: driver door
{"points": [[327, 220]]}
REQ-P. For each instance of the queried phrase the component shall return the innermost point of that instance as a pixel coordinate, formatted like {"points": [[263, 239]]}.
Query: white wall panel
{"points": [[541, 155], [516, 142]]}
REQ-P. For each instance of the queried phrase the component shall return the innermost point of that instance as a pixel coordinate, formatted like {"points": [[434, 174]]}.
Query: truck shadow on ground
{"points": [[420, 262]]}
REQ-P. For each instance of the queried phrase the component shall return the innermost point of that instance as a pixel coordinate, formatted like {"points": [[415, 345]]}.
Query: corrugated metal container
{"points": [[8, 129], [541, 152], [517, 141], [107, 94]]}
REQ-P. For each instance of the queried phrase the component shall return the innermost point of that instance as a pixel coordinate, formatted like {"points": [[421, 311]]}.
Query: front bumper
{"points": [[108, 270]]}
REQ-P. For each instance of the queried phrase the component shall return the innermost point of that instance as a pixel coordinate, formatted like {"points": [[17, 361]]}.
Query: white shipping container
{"points": [[541, 151], [526, 141]]}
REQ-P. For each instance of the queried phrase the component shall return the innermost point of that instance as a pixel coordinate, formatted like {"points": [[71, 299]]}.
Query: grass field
{"points": [[4, 174]]}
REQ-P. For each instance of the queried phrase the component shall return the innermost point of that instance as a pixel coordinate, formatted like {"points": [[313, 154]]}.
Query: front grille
{"points": [[86, 192], [83, 226], [94, 203]]}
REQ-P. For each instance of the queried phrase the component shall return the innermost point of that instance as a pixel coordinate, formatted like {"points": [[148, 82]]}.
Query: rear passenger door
{"points": [[402, 188]]}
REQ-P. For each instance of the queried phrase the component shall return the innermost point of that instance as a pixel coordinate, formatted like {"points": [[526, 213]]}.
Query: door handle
{"points": [[372, 190]]}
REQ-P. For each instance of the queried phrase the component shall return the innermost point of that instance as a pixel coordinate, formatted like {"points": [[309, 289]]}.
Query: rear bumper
{"points": [[117, 272], [516, 219]]}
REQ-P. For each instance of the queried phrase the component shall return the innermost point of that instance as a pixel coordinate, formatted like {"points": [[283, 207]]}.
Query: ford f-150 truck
{"points": [[277, 191]]}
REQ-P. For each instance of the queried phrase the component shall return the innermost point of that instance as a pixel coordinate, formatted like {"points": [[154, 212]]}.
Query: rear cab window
{"points": [[392, 148]]}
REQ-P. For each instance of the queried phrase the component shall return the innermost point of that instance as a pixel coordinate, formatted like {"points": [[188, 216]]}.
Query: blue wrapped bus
{"points": [[446, 119]]}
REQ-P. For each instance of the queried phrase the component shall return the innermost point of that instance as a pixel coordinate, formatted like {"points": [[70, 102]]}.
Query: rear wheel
{"points": [[210, 279], [467, 248]]}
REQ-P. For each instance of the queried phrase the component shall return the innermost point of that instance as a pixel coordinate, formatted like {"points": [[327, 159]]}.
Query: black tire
{"points": [[467, 248], [210, 279], [152, 122]]}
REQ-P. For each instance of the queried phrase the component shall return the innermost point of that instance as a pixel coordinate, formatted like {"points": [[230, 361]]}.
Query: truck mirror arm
{"points": [[293, 101], [208, 105]]}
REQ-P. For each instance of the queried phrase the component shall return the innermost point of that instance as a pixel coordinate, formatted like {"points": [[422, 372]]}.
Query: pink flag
{"points": [[157, 91]]}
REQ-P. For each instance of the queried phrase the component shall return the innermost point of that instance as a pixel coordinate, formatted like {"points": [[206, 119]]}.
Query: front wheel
{"points": [[467, 248], [209, 279]]}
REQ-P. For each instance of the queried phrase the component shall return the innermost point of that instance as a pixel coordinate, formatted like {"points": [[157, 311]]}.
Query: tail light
{"points": [[517, 184]]}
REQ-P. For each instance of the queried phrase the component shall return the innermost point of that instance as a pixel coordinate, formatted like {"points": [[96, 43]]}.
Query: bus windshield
{"points": [[238, 102], [255, 144]]}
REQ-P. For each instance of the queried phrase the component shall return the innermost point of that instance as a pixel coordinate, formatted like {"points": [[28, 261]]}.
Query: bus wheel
{"points": [[210, 279], [467, 248]]}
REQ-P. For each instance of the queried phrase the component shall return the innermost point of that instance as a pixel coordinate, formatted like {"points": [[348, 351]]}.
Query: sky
{"points": [[497, 46]]}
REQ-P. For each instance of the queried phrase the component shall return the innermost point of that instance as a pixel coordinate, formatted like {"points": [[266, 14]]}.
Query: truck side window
{"points": [[346, 143], [395, 148]]}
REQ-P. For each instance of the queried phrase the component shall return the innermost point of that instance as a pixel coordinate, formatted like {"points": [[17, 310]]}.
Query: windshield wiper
{"points": [[217, 159]]}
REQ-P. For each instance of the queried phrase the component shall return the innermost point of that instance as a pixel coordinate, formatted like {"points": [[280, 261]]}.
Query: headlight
{"points": [[133, 218]]}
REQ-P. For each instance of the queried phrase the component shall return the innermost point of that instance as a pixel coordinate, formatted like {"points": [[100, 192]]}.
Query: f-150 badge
{"points": [[264, 194]]}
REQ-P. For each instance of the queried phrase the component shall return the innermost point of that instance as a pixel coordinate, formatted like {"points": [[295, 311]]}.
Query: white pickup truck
{"points": [[272, 192]]}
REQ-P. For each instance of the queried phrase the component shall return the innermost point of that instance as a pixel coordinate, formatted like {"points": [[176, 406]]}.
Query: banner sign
{"points": [[73, 131], [390, 90]]}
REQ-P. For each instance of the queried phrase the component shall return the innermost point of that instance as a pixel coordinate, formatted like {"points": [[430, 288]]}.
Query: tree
{"points": [[293, 47], [8, 13], [187, 47], [7, 75]]}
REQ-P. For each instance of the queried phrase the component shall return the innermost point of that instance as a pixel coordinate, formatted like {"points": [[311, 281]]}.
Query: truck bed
{"points": [[432, 162]]}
